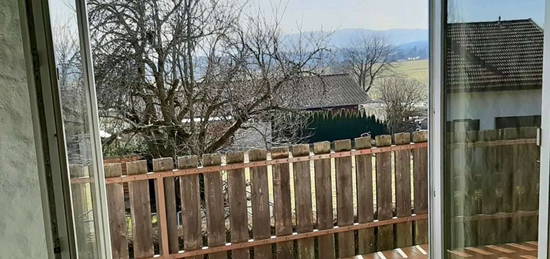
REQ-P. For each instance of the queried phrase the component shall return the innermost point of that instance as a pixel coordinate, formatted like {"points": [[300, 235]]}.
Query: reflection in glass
{"points": [[493, 84], [76, 113]]}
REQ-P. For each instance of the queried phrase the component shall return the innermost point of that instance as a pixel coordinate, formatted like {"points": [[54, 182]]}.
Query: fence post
{"points": [[420, 193], [191, 205], [384, 193], [528, 157], [215, 213], [282, 200], [302, 190], [506, 185], [261, 222], [344, 198], [404, 234], [323, 197], [363, 167], [117, 212], [140, 206], [167, 164], [238, 210]]}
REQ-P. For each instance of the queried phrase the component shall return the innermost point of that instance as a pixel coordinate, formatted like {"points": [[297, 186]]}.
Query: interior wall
{"points": [[22, 228]]}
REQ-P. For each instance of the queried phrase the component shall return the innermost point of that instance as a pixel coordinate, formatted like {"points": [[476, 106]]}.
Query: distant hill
{"points": [[413, 51], [411, 44]]}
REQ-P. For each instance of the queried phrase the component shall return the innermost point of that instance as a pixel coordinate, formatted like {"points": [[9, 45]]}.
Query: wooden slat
{"points": [[261, 222], [404, 231], [166, 164], [365, 207], [488, 232], [420, 185], [191, 205], [117, 213], [238, 211], [344, 200], [505, 185], [384, 193], [215, 212], [529, 157], [323, 197], [283, 205], [140, 207], [468, 174], [81, 195], [302, 190]]}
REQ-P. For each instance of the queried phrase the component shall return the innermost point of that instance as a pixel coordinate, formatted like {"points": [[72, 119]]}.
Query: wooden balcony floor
{"points": [[527, 250]]}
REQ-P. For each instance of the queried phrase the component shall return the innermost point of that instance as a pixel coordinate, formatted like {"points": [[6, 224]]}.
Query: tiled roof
{"points": [[500, 55], [328, 91]]}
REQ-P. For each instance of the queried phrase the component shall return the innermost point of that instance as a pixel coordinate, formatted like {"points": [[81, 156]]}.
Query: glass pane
{"points": [[493, 86], [75, 101]]}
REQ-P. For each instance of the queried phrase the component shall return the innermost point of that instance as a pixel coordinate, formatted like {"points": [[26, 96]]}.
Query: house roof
{"points": [[329, 91], [499, 55]]}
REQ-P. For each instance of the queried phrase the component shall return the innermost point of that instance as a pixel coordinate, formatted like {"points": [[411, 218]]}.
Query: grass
{"points": [[417, 69]]}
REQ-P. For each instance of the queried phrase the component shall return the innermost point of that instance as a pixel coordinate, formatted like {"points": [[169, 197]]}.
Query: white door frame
{"points": [[436, 129], [545, 142], [41, 63], [438, 12]]}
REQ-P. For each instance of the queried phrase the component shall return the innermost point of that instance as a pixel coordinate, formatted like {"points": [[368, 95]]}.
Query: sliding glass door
{"points": [[487, 107]]}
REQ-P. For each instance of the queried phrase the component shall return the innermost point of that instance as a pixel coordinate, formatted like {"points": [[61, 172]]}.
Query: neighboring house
{"points": [[330, 92], [491, 66]]}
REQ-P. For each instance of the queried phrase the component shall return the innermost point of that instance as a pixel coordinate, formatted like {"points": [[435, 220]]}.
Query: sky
{"points": [[490, 10], [329, 15]]}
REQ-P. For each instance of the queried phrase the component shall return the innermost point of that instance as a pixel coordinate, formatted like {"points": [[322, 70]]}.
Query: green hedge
{"points": [[331, 125]]}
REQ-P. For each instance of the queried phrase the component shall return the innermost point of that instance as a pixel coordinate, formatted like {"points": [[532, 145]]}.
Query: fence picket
{"points": [[506, 185], [117, 213], [384, 193], [215, 213], [404, 233], [488, 229], [140, 207], [420, 178], [282, 200], [302, 190], [261, 226], [363, 167], [323, 197], [528, 179], [191, 205], [167, 164], [344, 198], [81, 206], [238, 211]]}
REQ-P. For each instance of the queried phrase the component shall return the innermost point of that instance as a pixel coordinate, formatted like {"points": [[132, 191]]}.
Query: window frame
{"points": [[438, 10], [42, 75]]}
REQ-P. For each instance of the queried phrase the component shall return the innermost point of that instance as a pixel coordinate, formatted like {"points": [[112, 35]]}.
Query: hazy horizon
{"points": [[330, 15]]}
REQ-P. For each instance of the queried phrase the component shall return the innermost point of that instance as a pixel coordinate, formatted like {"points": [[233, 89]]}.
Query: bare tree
{"points": [[185, 75], [368, 59], [402, 99]]}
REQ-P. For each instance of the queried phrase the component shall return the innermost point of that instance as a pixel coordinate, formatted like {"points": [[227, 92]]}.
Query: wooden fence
{"points": [[326, 200], [494, 184]]}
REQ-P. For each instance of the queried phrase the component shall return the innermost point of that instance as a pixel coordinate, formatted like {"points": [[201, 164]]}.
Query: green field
{"points": [[417, 69]]}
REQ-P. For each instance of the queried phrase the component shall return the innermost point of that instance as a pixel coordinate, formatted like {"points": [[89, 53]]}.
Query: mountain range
{"points": [[410, 44]]}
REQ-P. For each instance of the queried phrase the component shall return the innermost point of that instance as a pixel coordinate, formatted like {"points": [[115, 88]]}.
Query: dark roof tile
{"points": [[326, 91], [500, 55]]}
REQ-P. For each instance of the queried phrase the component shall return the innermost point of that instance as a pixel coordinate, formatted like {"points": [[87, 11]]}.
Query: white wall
{"points": [[22, 229], [486, 106]]}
